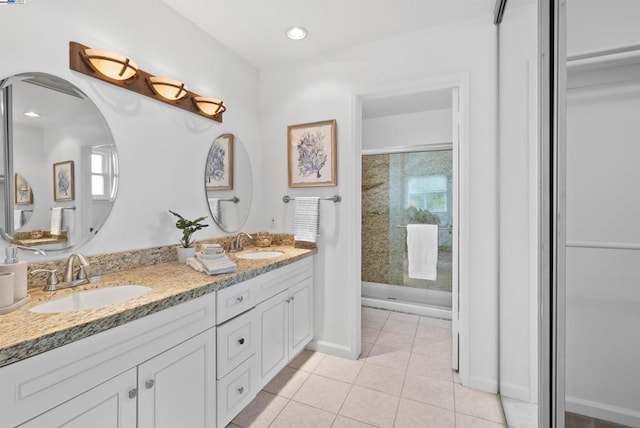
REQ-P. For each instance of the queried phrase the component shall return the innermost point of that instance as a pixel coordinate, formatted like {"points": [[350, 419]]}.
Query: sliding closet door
{"points": [[602, 378]]}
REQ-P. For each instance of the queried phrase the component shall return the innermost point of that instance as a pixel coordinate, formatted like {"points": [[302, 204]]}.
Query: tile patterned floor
{"points": [[403, 379]]}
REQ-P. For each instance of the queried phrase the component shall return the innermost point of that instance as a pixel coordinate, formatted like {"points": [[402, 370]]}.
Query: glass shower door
{"points": [[400, 189]]}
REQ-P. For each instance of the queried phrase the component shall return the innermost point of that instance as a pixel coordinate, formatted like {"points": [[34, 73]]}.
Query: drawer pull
{"points": [[239, 299], [241, 341], [133, 393], [288, 300], [241, 390], [149, 383]]}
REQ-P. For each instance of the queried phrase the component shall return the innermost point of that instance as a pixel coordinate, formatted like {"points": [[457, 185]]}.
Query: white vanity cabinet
{"points": [[286, 327], [156, 371]]}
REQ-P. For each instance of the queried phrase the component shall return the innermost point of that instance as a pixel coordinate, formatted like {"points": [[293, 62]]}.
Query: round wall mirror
{"points": [[59, 163], [228, 183]]}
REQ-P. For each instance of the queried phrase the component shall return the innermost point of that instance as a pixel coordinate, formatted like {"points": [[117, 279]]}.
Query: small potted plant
{"points": [[188, 227]]}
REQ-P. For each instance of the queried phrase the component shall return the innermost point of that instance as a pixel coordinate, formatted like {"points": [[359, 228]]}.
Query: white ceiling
{"points": [[255, 29]]}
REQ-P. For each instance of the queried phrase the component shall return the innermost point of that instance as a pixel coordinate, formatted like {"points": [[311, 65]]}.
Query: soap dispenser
{"points": [[19, 269]]}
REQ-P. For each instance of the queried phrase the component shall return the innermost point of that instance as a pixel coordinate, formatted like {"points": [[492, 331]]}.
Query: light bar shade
{"points": [[209, 106], [169, 89], [108, 64]]}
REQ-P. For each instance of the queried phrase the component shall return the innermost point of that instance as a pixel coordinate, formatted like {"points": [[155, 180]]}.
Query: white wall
{"points": [[162, 150], [403, 130], [518, 203], [326, 89]]}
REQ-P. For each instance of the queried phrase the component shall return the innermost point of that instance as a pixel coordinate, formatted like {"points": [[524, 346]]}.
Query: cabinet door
{"points": [[177, 388], [111, 404], [274, 347], [301, 316]]}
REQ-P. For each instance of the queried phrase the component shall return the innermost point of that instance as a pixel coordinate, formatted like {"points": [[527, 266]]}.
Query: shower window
{"points": [[427, 193]]}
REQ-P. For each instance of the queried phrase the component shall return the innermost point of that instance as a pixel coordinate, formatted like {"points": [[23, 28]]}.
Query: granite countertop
{"points": [[24, 334]]}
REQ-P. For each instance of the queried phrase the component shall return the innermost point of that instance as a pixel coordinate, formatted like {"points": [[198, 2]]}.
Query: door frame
{"points": [[457, 82]]}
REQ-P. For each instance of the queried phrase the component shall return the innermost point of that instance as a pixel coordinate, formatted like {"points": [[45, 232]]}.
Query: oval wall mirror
{"points": [[228, 183], [59, 163]]}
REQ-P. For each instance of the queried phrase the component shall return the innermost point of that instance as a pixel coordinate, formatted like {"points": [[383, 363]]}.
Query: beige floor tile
{"points": [[339, 368], [456, 377], [307, 361], [404, 317], [370, 335], [342, 422], [431, 348], [373, 322], [323, 393], [435, 322], [261, 411], [395, 340], [388, 357], [287, 382], [369, 406], [434, 333], [365, 348], [412, 414], [384, 379], [427, 366], [466, 421], [297, 415], [232, 425], [400, 327], [374, 312], [429, 390], [478, 403]]}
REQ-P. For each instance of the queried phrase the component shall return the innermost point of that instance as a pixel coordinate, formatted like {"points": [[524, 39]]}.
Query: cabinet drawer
{"points": [[235, 391], [235, 300], [236, 342], [283, 278]]}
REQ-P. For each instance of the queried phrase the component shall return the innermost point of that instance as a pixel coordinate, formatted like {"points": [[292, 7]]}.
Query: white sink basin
{"points": [[89, 299], [259, 255]]}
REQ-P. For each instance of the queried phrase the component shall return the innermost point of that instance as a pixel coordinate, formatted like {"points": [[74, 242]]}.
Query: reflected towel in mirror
{"points": [[56, 220]]}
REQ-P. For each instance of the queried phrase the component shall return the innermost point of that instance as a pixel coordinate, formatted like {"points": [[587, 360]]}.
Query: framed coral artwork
{"points": [[311, 154], [219, 168], [63, 181]]}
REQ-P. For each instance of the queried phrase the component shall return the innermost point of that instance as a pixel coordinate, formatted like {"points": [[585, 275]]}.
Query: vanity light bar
{"points": [[159, 88]]}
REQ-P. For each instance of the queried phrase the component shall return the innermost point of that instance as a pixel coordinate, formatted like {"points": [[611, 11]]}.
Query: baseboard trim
{"points": [[333, 349], [483, 384], [602, 411], [515, 391]]}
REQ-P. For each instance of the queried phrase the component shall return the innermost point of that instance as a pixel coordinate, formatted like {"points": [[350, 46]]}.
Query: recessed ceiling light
{"points": [[32, 114], [296, 33]]}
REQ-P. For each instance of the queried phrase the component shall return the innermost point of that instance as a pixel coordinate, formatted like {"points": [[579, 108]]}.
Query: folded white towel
{"points": [[306, 222], [422, 249], [217, 265], [56, 220]]}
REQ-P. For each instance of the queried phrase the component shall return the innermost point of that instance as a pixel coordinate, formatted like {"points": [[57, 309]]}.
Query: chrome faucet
{"points": [[236, 244], [69, 270]]}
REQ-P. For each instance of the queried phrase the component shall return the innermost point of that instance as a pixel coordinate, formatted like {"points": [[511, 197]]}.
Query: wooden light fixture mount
{"points": [[140, 83]]}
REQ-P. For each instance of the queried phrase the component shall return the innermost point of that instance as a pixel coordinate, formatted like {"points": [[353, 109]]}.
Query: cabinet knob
{"points": [[241, 390], [133, 393], [239, 298], [149, 384], [241, 341], [288, 300], [293, 297]]}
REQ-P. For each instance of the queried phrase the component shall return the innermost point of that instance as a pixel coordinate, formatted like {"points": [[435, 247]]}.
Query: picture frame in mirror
{"points": [[219, 167], [63, 181]]}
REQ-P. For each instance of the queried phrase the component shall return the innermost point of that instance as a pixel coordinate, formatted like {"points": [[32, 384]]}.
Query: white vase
{"points": [[184, 253]]}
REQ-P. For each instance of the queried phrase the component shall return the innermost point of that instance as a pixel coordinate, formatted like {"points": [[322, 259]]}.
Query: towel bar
{"points": [[335, 198], [66, 208], [235, 200], [439, 227]]}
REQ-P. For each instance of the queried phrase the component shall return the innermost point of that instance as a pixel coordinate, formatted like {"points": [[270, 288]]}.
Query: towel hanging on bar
{"points": [[306, 221]]}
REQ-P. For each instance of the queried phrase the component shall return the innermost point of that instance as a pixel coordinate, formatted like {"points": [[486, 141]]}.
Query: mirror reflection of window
{"points": [[104, 174], [427, 193]]}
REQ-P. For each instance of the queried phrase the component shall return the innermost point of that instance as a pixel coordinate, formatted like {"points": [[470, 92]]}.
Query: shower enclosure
{"points": [[398, 189]]}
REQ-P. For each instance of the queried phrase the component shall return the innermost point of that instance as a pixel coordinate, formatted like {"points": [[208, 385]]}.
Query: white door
{"points": [[111, 404], [274, 346], [177, 388], [301, 316]]}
